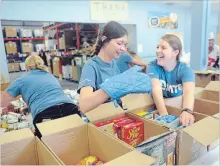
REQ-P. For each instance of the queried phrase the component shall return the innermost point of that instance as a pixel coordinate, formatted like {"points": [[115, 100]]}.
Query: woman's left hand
{"points": [[186, 118]]}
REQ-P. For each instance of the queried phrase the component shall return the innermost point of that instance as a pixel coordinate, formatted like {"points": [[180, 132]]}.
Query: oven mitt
{"points": [[130, 81]]}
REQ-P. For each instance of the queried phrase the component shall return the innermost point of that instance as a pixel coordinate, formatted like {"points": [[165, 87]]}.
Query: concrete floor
{"points": [[64, 83]]}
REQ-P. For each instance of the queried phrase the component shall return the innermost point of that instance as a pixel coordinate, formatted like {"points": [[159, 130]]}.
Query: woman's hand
{"points": [[186, 118]]}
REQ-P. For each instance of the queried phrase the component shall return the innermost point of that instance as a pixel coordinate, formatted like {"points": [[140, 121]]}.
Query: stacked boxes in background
{"points": [[10, 32], [26, 33], [38, 33], [12, 67], [11, 47], [27, 47]]}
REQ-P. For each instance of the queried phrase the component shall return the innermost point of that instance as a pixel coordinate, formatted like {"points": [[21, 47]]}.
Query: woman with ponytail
{"points": [[101, 80], [41, 91]]}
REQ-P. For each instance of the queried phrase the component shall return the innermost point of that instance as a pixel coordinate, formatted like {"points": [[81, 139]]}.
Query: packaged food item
{"points": [[103, 123], [117, 126], [169, 120], [120, 119], [133, 133], [90, 160]]}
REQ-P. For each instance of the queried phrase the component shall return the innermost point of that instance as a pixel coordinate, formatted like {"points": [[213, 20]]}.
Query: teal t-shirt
{"points": [[40, 90], [123, 61]]}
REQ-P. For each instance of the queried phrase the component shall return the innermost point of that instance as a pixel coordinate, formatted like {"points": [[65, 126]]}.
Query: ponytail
{"points": [[34, 62]]}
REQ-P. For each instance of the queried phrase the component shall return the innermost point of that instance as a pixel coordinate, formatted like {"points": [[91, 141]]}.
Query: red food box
{"points": [[117, 126], [103, 123], [120, 119], [133, 133]]}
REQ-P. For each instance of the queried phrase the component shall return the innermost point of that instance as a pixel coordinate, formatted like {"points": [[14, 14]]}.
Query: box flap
{"points": [[104, 111], [206, 72], [132, 158], [16, 135], [61, 124], [198, 89], [205, 131], [136, 101], [217, 115], [213, 86], [45, 156]]}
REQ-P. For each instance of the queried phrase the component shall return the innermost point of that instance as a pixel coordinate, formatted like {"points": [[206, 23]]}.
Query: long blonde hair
{"points": [[34, 62]]}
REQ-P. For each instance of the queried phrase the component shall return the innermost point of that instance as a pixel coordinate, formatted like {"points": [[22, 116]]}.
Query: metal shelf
{"points": [[23, 39]]}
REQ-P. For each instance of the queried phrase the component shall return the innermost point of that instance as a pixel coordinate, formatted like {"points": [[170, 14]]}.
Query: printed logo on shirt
{"points": [[171, 88]]}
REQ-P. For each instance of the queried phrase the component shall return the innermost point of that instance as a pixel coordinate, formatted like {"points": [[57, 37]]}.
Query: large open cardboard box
{"points": [[204, 77], [152, 131], [71, 140], [21, 147], [191, 142]]}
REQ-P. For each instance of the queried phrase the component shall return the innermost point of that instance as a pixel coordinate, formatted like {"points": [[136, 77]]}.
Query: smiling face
{"points": [[116, 46], [165, 53]]}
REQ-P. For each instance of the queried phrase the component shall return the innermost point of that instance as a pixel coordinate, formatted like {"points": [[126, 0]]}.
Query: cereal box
{"points": [[118, 125], [133, 133]]}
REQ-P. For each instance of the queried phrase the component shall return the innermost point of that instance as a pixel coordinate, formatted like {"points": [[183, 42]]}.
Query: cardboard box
{"points": [[71, 140], [191, 142], [10, 32], [56, 66], [74, 73], [21, 147], [210, 93], [38, 33], [26, 32], [152, 131], [204, 77], [4, 86], [206, 107], [27, 47], [62, 43], [13, 67], [11, 47]]}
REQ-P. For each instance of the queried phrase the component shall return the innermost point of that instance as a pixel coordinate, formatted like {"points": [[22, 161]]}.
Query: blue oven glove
{"points": [[130, 81]]}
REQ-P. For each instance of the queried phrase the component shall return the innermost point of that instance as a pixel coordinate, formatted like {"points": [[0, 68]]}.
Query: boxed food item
{"points": [[70, 139], [171, 121], [10, 32], [11, 47], [133, 133], [118, 126]]}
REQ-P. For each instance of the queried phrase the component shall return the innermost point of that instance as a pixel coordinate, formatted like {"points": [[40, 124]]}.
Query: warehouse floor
{"points": [[64, 83]]}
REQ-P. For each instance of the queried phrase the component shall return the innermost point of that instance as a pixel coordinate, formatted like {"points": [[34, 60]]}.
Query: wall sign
{"points": [[109, 10], [162, 20]]}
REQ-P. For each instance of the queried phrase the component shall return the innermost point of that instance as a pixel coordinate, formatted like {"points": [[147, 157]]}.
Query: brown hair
{"points": [[112, 30], [174, 42]]}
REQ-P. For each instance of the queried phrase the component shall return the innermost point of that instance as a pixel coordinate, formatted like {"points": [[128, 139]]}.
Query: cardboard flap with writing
{"points": [[132, 158], [213, 86], [137, 101], [205, 131], [45, 157], [61, 124], [104, 111]]}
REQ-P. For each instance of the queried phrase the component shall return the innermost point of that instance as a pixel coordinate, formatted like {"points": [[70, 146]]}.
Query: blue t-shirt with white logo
{"points": [[96, 71], [40, 90], [171, 82]]}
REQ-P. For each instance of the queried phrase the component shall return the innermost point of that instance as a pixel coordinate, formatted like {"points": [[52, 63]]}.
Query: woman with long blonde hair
{"points": [[41, 91]]}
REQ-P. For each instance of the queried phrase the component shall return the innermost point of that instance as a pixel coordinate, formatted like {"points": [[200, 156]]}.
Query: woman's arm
{"points": [[158, 97], [188, 95], [6, 98], [187, 118], [89, 100]]}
